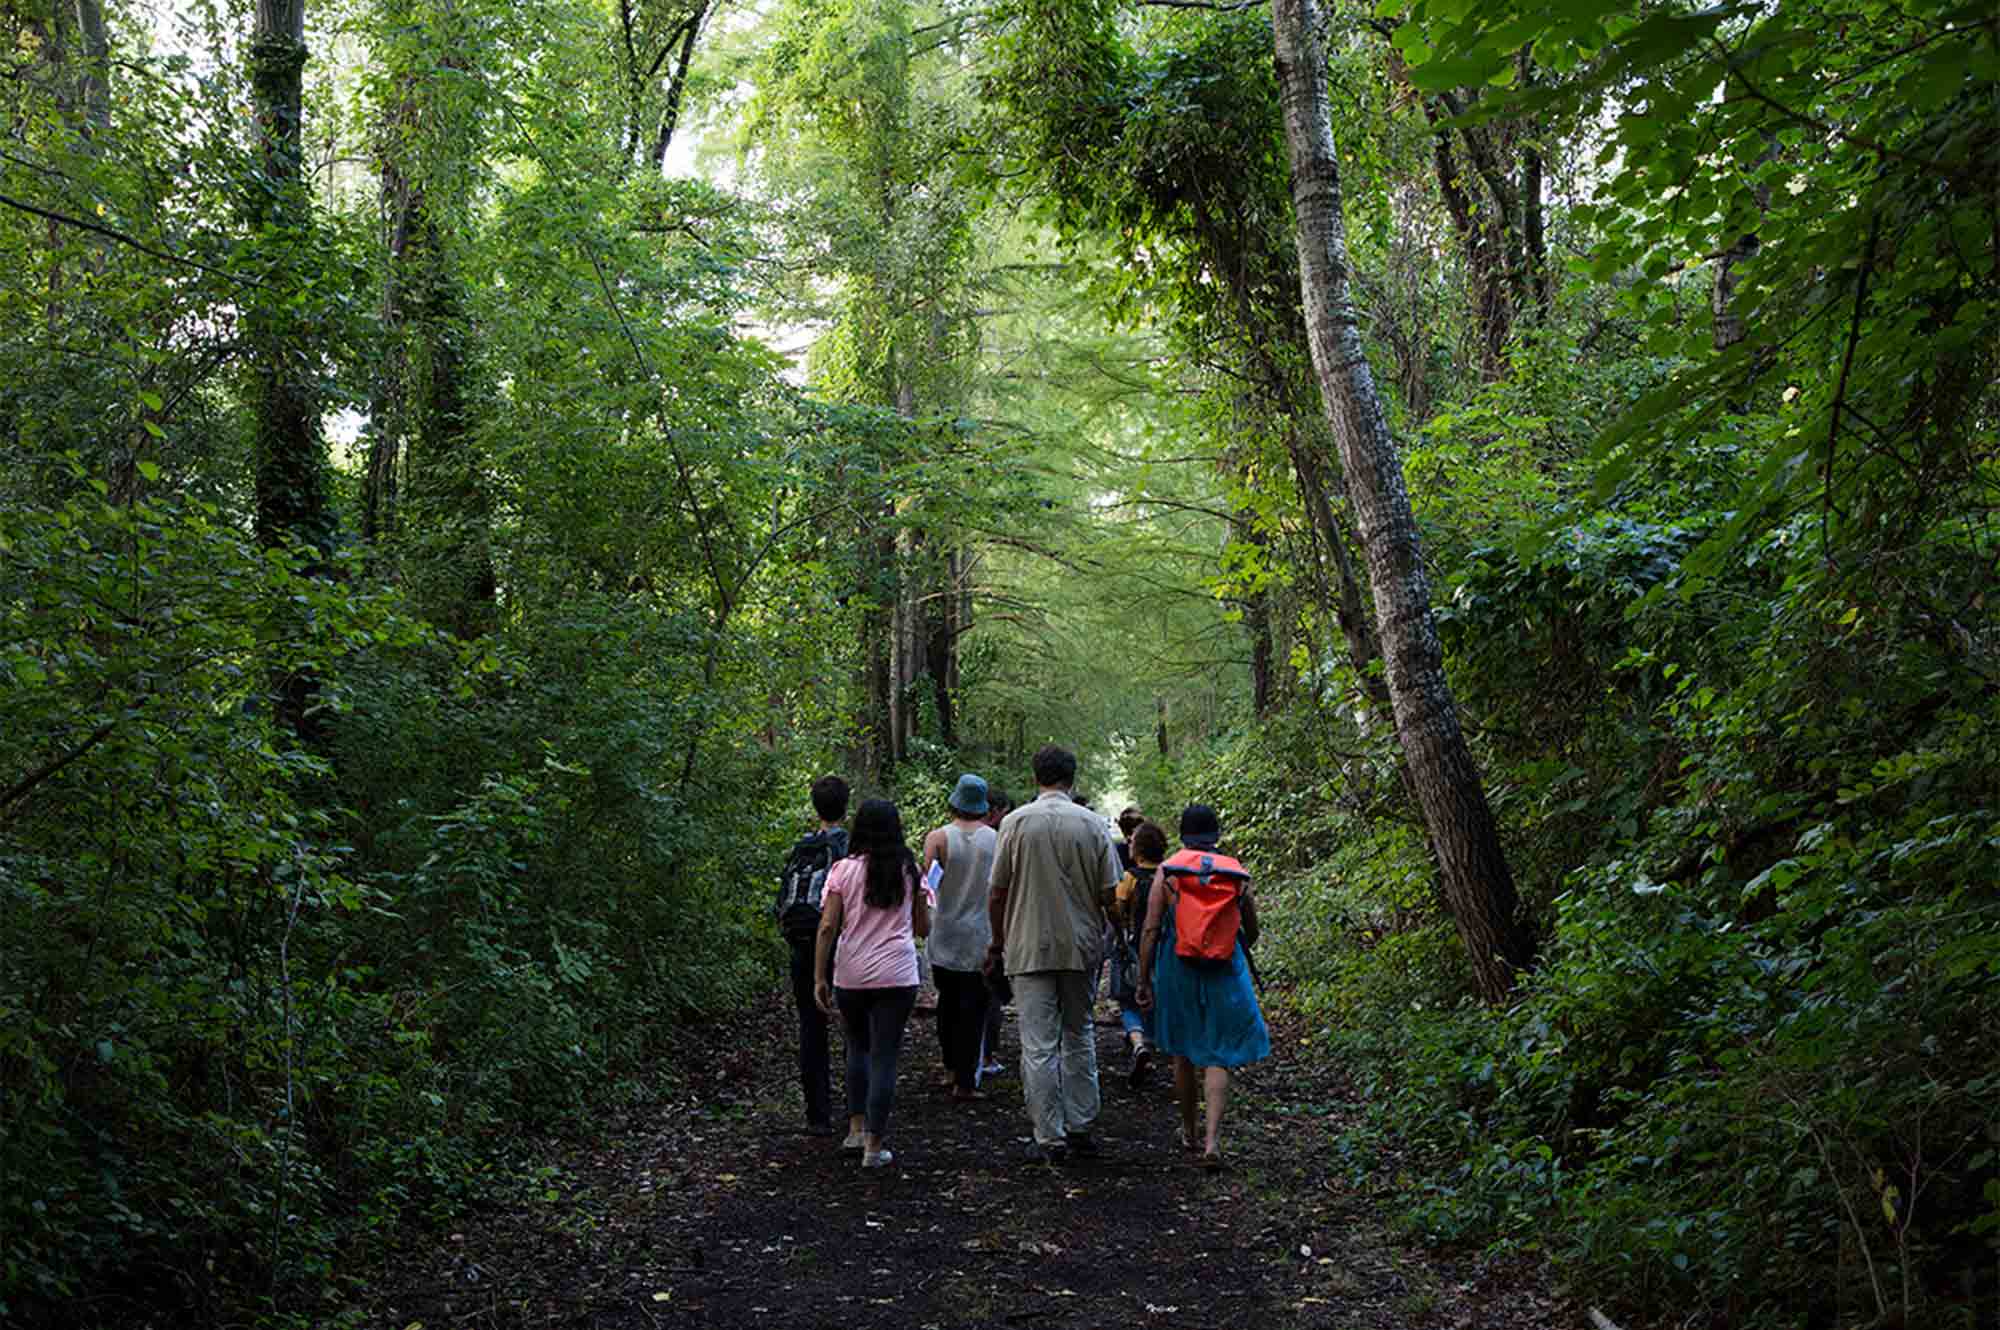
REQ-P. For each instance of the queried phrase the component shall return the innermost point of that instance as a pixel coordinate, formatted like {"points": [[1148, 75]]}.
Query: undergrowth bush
{"points": [[260, 1000], [1752, 1079]]}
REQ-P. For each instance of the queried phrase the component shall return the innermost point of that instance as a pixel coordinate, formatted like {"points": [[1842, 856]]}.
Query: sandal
{"points": [[1142, 1066], [1211, 1161]]}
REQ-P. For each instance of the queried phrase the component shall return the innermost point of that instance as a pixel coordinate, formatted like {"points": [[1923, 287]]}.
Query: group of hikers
{"points": [[1024, 906]]}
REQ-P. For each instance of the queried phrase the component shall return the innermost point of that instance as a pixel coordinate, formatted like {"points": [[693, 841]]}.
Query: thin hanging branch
{"points": [[84, 224], [1846, 364]]}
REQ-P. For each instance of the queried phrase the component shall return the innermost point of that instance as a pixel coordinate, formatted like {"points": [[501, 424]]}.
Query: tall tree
{"points": [[292, 503], [423, 454], [853, 137], [288, 446], [1124, 137], [656, 53], [1478, 886]]}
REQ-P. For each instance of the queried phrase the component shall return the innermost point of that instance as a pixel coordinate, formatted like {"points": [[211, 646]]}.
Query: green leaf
{"points": [[1456, 71]]}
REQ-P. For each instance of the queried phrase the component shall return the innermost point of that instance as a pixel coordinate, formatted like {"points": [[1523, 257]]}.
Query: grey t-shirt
{"points": [[1056, 864], [959, 927]]}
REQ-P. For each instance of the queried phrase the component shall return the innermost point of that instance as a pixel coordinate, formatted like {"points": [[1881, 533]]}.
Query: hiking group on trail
{"points": [[1024, 906]]}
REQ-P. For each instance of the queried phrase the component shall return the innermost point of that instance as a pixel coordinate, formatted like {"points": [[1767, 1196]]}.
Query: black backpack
{"points": [[803, 882]]}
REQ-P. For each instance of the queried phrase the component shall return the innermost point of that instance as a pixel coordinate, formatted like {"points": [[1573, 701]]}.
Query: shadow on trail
{"points": [[716, 1209]]}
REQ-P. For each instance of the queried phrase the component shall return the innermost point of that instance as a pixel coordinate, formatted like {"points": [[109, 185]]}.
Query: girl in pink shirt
{"points": [[875, 910]]}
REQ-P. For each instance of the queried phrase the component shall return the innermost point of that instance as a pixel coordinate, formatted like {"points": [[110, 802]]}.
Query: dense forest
{"points": [[470, 464]]}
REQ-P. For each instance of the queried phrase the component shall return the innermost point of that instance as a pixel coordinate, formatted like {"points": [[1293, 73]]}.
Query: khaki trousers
{"points": [[1058, 1052]]}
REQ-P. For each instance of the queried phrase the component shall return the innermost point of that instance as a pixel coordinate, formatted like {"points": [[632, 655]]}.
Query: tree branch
{"points": [[1846, 364], [108, 233], [50, 768]]}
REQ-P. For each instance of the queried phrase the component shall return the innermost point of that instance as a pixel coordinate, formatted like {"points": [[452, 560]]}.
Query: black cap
{"points": [[1200, 826]]}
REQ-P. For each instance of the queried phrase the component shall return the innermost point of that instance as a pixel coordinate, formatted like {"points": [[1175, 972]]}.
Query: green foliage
{"points": [[1715, 551], [167, 897], [262, 998]]}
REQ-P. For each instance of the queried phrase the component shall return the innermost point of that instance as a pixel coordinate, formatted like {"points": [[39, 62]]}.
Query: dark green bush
{"points": [[260, 1000]]}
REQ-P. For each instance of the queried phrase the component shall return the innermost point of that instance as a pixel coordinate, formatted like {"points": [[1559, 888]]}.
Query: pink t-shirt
{"points": [[877, 948]]}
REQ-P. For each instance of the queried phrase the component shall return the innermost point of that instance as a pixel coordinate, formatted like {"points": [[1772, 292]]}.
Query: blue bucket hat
{"points": [[968, 796]]}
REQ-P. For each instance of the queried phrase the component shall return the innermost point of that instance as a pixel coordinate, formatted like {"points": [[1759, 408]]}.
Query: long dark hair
{"points": [[878, 834]]}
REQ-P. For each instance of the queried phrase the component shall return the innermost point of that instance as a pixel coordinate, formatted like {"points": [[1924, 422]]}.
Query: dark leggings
{"points": [[874, 1018], [815, 1062], [996, 1000], [961, 1018]]}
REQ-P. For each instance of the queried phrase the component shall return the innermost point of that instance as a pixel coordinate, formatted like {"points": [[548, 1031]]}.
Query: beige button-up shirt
{"points": [[1055, 862]]}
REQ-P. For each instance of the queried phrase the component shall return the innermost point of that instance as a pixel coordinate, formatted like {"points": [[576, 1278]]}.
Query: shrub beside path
{"points": [[713, 1208]]}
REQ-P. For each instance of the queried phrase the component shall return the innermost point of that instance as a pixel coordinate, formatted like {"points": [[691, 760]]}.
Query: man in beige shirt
{"points": [[1052, 870]]}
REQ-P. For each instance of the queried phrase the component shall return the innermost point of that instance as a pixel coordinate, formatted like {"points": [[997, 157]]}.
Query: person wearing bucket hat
{"points": [[957, 859]]}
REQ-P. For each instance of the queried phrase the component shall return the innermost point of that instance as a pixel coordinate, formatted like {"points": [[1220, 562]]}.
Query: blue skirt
{"points": [[1205, 1011]]}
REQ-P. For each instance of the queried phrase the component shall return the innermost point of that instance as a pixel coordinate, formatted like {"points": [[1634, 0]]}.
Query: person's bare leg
{"points": [[1184, 1089], [1215, 1087]]}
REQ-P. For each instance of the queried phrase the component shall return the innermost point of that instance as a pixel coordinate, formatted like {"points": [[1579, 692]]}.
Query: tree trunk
{"points": [[423, 451], [1729, 328], [389, 407], [95, 84], [881, 716], [1492, 311], [677, 89], [1477, 885], [290, 454], [445, 490], [942, 625], [1350, 611], [292, 504], [1534, 227], [1256, 608]]}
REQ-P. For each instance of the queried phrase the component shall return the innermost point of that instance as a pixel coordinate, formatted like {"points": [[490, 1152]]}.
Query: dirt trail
{"points": [[716, 1209]]}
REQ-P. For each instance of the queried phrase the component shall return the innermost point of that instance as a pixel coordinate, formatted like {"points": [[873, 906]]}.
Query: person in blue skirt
{"points": [[1194, 974]]}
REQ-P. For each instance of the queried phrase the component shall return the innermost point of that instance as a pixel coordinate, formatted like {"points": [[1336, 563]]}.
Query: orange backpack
{"points": [[1207, 892]]}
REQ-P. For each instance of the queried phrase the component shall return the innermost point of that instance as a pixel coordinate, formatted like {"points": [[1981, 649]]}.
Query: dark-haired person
{"points": [[874, 910], [1204, 1013], [1148, 847], [1130, 819], [1052, 870], [961, 854], [826, 846]]}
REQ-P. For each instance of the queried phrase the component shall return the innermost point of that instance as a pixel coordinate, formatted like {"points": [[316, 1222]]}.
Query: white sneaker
{"points": [[853, 1143], [880, 1159]]}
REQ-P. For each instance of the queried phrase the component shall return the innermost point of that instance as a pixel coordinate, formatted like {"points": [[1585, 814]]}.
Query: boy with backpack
{"points": [[800, 887]]}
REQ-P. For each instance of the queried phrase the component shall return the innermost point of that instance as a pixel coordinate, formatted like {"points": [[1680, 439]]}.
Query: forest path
{"points": [[716, 1209]]}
